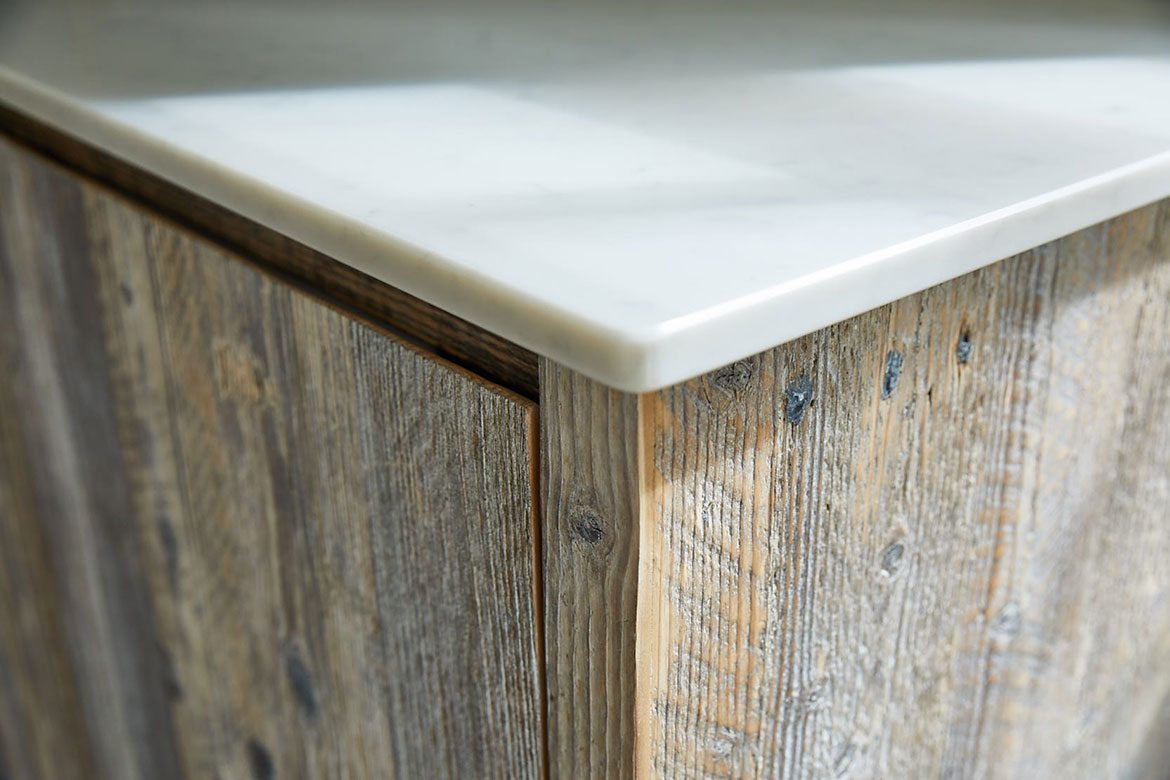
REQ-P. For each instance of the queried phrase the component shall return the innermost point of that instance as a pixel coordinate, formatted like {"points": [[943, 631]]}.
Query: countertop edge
{"points": [[634, 362]]}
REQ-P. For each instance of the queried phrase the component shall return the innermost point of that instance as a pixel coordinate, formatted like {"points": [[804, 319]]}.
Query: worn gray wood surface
{"points": [[926, 542], [244, 535], [590, 486], [81, 689], [930, 541]]}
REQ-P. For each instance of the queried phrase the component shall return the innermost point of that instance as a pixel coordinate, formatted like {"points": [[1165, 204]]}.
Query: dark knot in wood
{"points": [[893, 371], [798, 397], [587, 525], [964, 349]]}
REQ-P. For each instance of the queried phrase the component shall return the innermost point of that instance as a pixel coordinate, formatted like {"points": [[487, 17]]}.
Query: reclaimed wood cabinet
{"points": [[251, 530], [374, 400], [929, 541]]}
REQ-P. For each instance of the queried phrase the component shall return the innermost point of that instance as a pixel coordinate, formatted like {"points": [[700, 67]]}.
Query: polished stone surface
{"points": [[643, 191]]}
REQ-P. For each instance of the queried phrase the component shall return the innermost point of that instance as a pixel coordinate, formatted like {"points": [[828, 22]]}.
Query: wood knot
{"points": [[260, 761], [964, 349], [733, 379], [587, 525], [1008, 622], [893, 371], [301, 682], [797, 399], [892, 559]]}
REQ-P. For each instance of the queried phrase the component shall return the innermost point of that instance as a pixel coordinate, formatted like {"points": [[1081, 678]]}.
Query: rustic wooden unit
{"points": [[263, 517]]}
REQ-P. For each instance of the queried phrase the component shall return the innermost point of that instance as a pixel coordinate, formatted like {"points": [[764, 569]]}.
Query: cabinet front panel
{"points": [[244, 534]]}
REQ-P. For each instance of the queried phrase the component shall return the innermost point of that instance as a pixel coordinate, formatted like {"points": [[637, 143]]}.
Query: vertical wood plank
{"points": [[589, 458], [328, 537], [79, 672], [928, 541]]}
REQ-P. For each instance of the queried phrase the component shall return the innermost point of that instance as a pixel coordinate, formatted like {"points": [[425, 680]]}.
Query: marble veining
{"points": [[641, 191]]}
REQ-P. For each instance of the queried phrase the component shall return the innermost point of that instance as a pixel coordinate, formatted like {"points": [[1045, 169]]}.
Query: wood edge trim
{"points": [[589, 464], [535, 462], [646, 611], [476, 352]]}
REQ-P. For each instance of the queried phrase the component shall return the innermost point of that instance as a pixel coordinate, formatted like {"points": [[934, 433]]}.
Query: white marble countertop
{"points": [[642, 190]]}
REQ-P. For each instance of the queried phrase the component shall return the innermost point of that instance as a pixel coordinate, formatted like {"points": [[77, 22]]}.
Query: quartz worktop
{"points": [[641, 191]]}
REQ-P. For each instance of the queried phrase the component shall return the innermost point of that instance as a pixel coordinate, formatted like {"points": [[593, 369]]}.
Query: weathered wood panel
{"points": [[245, 534], [80, 677], [930, 541], [589, 462]]}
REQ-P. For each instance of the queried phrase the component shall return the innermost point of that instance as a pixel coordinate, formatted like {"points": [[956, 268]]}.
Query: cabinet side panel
{"points": [[334, 531], [928, 541]]}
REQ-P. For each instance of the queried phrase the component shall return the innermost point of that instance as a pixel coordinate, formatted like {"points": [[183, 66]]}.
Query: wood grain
{"points": [[590, 499], [80, 677], [245, 535], [930, 541], [440, 332]]}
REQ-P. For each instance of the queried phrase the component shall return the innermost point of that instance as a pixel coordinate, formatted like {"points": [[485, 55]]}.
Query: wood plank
{"points": [[440, 332], [328, 536], [81, 678], [590, 499], [928, 541]]}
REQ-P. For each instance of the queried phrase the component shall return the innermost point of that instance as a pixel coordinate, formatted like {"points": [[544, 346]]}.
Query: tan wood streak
{"points": [[333, 532], [591, 552], [962, 578]]}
